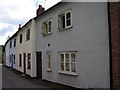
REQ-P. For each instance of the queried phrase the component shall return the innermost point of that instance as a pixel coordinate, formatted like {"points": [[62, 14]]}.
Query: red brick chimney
{"points": [[40, 10]]}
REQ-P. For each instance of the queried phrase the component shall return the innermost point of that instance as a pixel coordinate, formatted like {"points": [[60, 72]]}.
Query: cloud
{"points": [[15, 12]]}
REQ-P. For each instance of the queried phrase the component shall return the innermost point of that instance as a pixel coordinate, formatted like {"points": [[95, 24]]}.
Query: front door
{"points": [[24, 58], [39, 64]]}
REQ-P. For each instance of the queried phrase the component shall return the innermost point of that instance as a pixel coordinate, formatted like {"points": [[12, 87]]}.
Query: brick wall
{"points": [[115, 41]]}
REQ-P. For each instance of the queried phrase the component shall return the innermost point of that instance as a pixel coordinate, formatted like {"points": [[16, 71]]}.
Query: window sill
{"points": [[47, 34], [67, 73], [49, 70], [65, 28], [28, 40]]}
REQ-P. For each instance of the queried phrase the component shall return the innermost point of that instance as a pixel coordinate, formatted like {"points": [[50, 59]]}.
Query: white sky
{"points": [[15, 12]]}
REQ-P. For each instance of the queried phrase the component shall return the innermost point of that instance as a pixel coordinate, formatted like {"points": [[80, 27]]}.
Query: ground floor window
{"points": [[49, 60], [68, 62], [29, 60]]}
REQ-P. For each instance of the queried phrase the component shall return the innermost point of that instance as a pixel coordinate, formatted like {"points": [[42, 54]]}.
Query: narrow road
{"points": [[13, 79]]}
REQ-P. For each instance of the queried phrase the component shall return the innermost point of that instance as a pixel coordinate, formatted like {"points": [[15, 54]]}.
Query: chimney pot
{"points": [[19, 26], [40, 6], [40, 10]]}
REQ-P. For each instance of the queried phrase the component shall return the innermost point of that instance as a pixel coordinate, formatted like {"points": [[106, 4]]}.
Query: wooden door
{"points": [[39, 64]]}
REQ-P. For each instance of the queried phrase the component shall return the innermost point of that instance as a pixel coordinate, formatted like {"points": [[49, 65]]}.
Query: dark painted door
{"points": [[39, 64], [24, 58]]}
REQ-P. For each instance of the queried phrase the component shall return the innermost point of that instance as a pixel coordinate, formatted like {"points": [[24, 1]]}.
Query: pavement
{"points": [[0, 76], [13, 79]]}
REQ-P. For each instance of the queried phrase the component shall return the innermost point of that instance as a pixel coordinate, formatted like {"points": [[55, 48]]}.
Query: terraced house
{"points": [[26, 49], [74, 44], [13, 51], [73, 40], [7, 53]]}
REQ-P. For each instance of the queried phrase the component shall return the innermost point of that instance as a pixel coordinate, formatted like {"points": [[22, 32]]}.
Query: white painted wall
{"points": [[27, 47]]}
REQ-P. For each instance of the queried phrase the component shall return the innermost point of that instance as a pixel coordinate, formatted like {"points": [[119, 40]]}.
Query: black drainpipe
{"points": [[110, 46]]}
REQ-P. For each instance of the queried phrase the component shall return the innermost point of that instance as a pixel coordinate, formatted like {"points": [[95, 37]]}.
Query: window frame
{"points": [[49, 62], [70, 72], [47, 31], [59, 20]]}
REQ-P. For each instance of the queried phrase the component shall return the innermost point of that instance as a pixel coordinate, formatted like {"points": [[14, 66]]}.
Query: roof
{"points": [[49, 9]]}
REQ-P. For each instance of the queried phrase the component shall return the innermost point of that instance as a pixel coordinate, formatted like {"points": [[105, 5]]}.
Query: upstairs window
{"points": [[20, 38], [29, 61], [47, 27], [28, 34], [65, 20], [10, 44], [15, 42]]}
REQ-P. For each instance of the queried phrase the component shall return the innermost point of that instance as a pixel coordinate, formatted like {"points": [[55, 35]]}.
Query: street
{"points": [[13, 79]]}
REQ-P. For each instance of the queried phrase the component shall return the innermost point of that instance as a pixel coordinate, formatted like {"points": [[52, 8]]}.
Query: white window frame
{"points": [[59, 21], [48, 61], [70, 66], [48, 31]]}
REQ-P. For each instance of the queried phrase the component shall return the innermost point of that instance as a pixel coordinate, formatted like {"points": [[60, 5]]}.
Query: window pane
{"points": [[73, 57], [45, 28], [21, 38], [62, 21], [62, 65], [28, 34], [67, 66], [62, 57], [49, 58], [73, 67], [14, 59], [68, 22], [68, 15], [49, 24], [67, 57]]}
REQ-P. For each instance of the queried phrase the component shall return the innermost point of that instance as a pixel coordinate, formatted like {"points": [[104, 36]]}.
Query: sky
{"points": [[15, 12]]}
